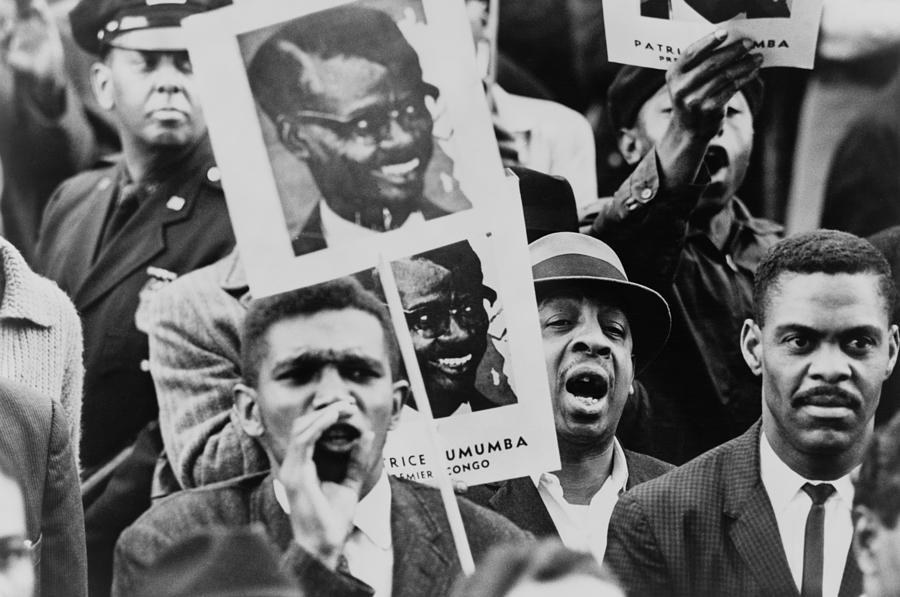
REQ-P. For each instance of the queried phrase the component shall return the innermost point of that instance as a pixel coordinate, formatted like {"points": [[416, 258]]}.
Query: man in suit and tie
{"points": [[598, 329], [321, 392], [769, 513], [156, 213], [354, 108]]}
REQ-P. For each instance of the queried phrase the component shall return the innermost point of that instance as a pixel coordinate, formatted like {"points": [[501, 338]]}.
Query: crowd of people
{"points": [[723, 390]]}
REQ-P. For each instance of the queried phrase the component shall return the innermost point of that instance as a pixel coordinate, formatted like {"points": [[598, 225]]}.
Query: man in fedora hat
{"points": [[598, 330], [152, 215]]}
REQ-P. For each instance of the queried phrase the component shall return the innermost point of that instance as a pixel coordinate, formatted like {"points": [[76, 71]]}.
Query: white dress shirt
{"points": [[369, 550], [791, 505], [337, 230], [584, 528]]}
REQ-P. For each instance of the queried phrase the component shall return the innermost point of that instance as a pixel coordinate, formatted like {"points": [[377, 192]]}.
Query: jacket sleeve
{"points": [[195, 362], [633, 551], [646, 224], [63, 552], [317, 580]]}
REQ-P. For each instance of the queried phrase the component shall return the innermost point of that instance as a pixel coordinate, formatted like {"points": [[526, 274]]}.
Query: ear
{"points": [[631, 145], [247, 408], [751, 346], [292, 137], [893, 346], [401, 391], [865, 531], [102, 85]]}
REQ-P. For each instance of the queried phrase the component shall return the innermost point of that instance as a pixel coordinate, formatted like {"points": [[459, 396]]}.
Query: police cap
{"points": [[134, 24]]}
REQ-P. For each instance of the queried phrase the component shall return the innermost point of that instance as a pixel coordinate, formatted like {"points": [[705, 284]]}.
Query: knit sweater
{"points": [[40, 337]]}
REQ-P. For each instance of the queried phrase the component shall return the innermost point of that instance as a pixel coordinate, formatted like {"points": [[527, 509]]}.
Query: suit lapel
{"points": [[72, 264], [852, 581], [421, 568], [141, 239], [519, 501], [753, 528]]}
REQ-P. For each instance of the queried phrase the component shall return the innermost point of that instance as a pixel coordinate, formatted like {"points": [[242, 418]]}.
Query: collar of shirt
{"points": [[783, 485], [22, 298], [746, 229], [573, 532], [337, 230], [373, 512]]}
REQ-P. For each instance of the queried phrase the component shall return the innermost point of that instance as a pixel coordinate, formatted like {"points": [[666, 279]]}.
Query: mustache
{"points": [[826, 396]]}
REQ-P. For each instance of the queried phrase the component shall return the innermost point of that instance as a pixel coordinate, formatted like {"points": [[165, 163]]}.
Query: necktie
{"points": [[814, 541], [130, 197]]}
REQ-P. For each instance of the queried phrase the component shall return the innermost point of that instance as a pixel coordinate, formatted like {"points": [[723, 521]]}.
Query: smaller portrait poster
{"points": [[471, 313], [337, 122], [653, 33]]}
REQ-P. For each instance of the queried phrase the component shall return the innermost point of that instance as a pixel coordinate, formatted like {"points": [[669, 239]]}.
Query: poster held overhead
{"points": [[363, 119], [653, 33]]}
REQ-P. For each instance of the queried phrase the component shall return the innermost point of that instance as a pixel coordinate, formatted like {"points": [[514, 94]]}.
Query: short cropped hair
{"points": [[878, 482], [335, 295], [509, 565], [276, 72], [826, 252]]}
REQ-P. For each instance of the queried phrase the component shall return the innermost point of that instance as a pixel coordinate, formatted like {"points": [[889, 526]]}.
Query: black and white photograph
{"points": [[362, 119], [449, 298]]}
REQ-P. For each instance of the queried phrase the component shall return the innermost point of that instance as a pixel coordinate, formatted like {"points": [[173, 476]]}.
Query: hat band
{"points": [[573, 265]]}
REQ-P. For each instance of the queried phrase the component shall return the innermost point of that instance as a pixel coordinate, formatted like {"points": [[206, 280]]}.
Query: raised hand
{"points": [[32, 47], [322, 511]]}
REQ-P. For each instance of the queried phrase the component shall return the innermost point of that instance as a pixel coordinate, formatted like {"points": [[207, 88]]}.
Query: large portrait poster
{"points": [[337, 121], [653, 33]]}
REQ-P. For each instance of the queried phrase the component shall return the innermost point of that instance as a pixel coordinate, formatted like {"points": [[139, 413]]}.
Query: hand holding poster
{"points": [[654, 33]]}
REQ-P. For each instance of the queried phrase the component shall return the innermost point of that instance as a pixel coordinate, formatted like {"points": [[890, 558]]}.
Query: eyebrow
{"points": [[871, 330], [317, 359]]}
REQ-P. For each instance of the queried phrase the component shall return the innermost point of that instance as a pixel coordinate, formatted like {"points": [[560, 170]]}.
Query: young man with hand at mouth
{"points": [[598, 329], [321, 392]]}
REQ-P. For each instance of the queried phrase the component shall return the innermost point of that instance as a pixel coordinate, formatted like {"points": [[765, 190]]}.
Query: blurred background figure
{"points": [[16, 569], [876, 510], [45, 134], [542, 569], [532, 132], [218, 563]]}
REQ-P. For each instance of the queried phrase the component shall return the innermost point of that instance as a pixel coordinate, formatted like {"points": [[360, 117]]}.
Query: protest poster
{"points": [[361, 119], [653, 33], [485, 378]]}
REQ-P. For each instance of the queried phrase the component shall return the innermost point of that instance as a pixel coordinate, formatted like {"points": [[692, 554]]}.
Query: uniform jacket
{"points": [[425, 561], [706, 529], [519, 500], [183, 226], [33, 437]]}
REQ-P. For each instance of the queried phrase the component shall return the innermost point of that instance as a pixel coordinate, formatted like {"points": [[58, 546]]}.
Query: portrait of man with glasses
{"points": [[446, 304], [345, 93]]}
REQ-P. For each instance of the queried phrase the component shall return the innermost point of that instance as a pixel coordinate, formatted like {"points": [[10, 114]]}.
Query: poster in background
{"points": [[338, 121], [653, 33]]}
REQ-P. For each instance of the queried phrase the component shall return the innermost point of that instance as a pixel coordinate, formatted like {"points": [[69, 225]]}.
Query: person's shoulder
{"points": [[642, 467], [691, 482], [225, 503], [95, 180], [482, 525]]}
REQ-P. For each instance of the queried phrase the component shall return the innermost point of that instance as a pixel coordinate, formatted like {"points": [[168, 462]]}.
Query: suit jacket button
{"points": [[213, 174], [145, 366]]}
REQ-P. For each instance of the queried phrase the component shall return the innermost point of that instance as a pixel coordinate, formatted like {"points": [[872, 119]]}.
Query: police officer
{"points": [[154, 213]]}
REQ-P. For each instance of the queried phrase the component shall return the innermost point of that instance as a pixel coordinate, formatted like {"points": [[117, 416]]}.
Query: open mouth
{"points": [[589, 388], [340, 437], [716, 161], [453, 365]]}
